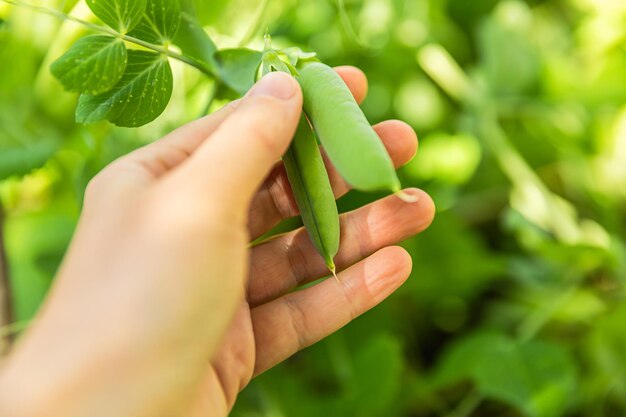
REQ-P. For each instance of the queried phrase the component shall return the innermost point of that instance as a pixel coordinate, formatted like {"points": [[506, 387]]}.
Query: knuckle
{"points": [[359, 232], [103, 180], [266, 118], [266, 139], [95, 186], [297, 317], [92, 188], [298, 261], [350, 293], [282, 198]]}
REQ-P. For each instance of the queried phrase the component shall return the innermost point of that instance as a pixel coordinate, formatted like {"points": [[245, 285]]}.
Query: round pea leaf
{"points": [[121, 15], [138, 98], [238, 68], [537, 378], [159, 23], [22, 159], [92, 65]]}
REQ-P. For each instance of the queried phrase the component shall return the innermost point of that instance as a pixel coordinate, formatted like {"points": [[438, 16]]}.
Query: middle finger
{"points": [[290, 260], [274, 202]]}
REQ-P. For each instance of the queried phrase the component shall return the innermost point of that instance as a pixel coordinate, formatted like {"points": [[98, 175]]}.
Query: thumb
{"points": [[240, 153]]}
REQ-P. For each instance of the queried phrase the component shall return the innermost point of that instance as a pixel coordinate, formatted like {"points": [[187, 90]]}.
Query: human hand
{"points": [[161, 308]]}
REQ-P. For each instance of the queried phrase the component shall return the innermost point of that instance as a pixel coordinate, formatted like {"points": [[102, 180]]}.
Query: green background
{"points": [[516, 302]]}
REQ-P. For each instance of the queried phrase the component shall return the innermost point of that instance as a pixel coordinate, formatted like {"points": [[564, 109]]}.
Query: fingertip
{"points": [[392, 267], [428, 209], [422, 209], [409, 138], [355, 79], [279, 85], [400, 262], [401, 219], [400, 140]]}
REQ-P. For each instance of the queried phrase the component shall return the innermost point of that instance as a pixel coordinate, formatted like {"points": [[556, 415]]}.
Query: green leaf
{"points": [[376, 376], [159, 23], [140, 97], [604, 351], [535, 377], [193, 41], [295, 55], [238, 68], [271, 61], [508, 58], [121, 15], [49, 231], [23, 159], [92, 65]]}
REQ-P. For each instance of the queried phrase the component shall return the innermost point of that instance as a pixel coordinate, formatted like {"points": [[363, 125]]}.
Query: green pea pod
{"points": [[313, 193], [349, 140]]}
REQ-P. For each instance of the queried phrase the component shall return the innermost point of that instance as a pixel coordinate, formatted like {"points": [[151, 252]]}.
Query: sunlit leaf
{"points": [[193, 40], [159, 23], [23, 159], [92, 65], [141, 95], [121, 15]]}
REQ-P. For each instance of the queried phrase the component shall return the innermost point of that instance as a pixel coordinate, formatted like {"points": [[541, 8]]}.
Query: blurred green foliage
{"points": [[516, 304]]}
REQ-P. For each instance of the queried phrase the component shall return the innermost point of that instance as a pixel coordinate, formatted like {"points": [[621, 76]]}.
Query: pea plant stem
{"points": [[6, 308], [347, 25], [529, 328], [255, 24], [104, 29], [469, 404], [514, 166]]}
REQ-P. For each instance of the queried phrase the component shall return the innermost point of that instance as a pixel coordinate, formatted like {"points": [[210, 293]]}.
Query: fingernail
{"points": [[409, 196], [276, 84]]}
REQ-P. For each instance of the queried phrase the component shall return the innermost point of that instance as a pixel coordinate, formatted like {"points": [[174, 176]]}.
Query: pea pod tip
{"points": [[333, 269], [407, 197]]}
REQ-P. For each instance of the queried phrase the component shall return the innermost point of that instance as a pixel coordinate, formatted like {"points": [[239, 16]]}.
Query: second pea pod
{"points": [[333, 116], [349, 140]]}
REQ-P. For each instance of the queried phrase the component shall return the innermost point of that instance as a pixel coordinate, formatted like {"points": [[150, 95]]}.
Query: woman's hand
{"points": [[161, 307]]}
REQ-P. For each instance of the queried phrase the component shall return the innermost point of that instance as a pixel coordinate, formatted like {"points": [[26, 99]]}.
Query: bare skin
{"points": [[161, 307]]}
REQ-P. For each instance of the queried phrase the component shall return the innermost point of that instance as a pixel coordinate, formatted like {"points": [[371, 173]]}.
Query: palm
{"points": [[274, 322], [230, 370]]}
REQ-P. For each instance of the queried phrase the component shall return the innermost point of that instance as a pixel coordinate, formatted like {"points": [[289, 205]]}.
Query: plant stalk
{"points": [[470, 403], [255, 25]]}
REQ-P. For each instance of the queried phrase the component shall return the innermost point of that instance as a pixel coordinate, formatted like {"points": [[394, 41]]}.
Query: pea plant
{"points": [[123, 76]]}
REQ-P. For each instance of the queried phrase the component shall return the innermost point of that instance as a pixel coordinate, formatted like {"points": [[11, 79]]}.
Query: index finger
{"points": [[356, 81], [175, 147], [296, 320]]}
